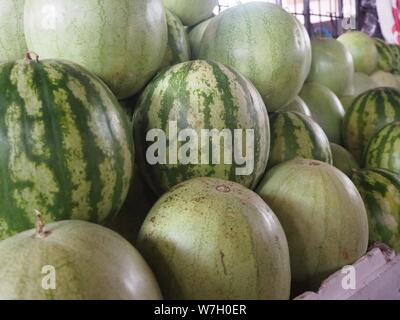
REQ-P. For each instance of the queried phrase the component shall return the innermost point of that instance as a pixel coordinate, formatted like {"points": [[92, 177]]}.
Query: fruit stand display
{"points": [[163, 149]]}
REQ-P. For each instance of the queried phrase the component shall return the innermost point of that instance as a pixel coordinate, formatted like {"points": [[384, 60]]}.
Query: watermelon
{"points": [[368, 114], [363, 49], [347, 101], [201, 95], [65, 144], [332, 65], [266, 44], [343, 159], [385, 55], [385, 79], [84, 260], [196, 35], [396, 57], [210, 239], [296, 135], [383, 150], [191, 12], [297, 105], [123, 42], [323, 216], [138, 203], [12, 37], [361, 84], [380, 190], [326, 109], [178, 49]]}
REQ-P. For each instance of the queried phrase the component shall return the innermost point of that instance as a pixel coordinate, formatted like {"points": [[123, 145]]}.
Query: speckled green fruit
{"points": [[266, 44], [323, 216], [83, 261], [191, 12], [343, 159], [12, 38], [211, 239], [297, 105], [123, 42], [332, 65], [363, 49], [326, 109]]}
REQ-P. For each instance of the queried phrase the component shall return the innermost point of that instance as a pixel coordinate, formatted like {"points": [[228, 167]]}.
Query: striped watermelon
{"points": [[343, 160], [123, 42], [65, 145], [178, 49], [12, 37], [396, 57], [296, 135], [266, 44], [297, 105], [214, 239], [385, 60], [196, 35], [332, 65], [380, 190], [191, 12], [200, 95], [323, 216], [369, 113], [326, 109], [383, 150], [363, 49]]}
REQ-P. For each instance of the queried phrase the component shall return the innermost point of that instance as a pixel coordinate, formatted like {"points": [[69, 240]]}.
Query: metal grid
{"points": [[328, 18]]}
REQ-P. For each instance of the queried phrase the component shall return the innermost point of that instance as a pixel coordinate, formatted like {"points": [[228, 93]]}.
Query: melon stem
{"points": [[28, 57], [39, 225]]}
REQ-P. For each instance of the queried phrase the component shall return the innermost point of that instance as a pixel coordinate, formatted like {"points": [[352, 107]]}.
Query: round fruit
{"points": [[12, 38], [323, 216], [191, 12], [204, 103], [297, 105], [65, 143], [380, 190], [73, 260], [210, 239], [266, 44], [361, 84], [332, 65], [123, 42], [196, 35], [326, 109], [396, 57], [369, 113], [385, 60], [363, 49], [383, 150], [296, 135], [178, 49], [384, 79], [347, 102], [343, 160]]}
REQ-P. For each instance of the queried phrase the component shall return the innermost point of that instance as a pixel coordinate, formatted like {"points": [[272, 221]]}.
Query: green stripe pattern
{"points": [[296, 135], [385, 60], [65, 145], [380, 190], [178, 49], [370, 112], [383, 150], [201, 95]]}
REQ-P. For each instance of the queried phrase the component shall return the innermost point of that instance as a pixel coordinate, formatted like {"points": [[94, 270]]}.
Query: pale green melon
{"points": [[266, 44], [332, 65], [297, 105], [196, 35], [191, 12], [363, 49], [123, 42], [343, 159], [326, 109], [384, 79], [79, 260]]}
